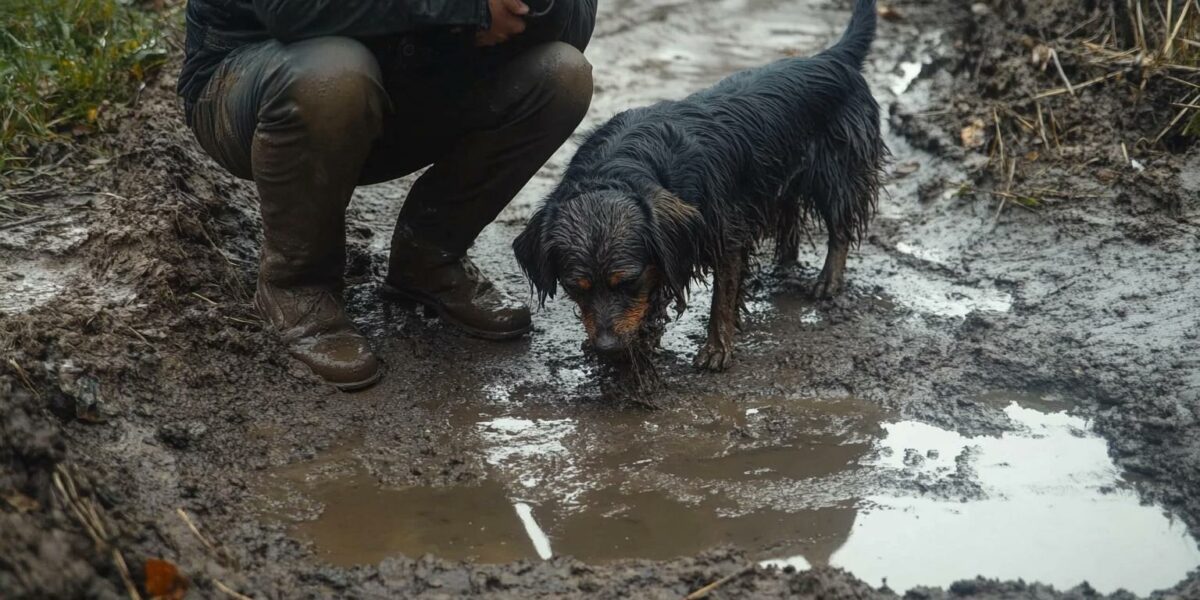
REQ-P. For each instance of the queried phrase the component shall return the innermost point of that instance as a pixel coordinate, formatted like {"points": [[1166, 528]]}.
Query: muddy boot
{"points": [[451, 284], [317, 107], [312, 322]]}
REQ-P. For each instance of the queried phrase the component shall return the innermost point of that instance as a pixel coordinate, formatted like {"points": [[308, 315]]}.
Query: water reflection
{"points": [[895, 501]]}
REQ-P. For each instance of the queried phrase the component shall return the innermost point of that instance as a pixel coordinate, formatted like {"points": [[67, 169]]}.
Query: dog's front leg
{"points": [[717, 352]]}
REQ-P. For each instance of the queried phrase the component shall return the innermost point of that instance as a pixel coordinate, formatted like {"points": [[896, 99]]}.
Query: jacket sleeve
{"points": [[290, 20]]}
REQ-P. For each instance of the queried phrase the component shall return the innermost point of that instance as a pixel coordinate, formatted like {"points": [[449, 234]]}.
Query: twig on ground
{"points": [[1041, 125], [1090, 82], [1062, 74], [228, 590], [1180, 115], [26, 221], [123, 571], [1167, 49], [89, 517], [204, 298], [1183, 81], [706, 590], [24, 378], [999, 140], [196, 532]]}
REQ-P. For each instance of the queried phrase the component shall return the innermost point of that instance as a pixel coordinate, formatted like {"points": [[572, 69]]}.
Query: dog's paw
{"points": [[713, 357]]}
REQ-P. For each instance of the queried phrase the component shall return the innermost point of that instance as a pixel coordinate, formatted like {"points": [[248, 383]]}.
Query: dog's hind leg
{"points": [[741, 290], [787, 236], [789, 225], [717, 352], [844, 194]]}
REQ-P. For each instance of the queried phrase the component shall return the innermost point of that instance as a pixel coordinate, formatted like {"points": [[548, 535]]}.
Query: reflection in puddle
{"points": [[890, 500], [363, 523], [1054, 512]]}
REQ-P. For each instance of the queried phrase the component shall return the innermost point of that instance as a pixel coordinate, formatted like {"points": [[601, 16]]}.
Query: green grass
{"points": [[62, 62]]}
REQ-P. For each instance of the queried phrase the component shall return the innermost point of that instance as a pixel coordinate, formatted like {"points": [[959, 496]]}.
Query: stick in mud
{"points": [[704, 591]]}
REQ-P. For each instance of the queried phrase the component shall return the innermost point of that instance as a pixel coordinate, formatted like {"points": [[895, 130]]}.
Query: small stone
{"points": [[182, 435], [913, 458]]}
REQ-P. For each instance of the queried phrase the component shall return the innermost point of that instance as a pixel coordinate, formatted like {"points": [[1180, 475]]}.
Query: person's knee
{"points": [[569, 77], [331, 87]]}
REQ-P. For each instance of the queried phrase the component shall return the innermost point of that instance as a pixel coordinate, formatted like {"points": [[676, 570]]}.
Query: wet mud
{"points": [[999, 396]]}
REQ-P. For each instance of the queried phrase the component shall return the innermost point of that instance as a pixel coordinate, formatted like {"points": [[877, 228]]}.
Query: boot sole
{"points": [[390, 291], [358, 385]]}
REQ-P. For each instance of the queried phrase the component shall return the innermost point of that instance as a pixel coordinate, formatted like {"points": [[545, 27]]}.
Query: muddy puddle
{"points": [[797, 482]]}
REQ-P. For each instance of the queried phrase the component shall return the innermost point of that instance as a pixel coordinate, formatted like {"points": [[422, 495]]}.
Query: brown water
{"points": [[796, 482], [627, 484]]}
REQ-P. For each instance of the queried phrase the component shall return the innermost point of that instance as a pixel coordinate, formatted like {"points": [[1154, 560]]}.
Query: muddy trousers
{"points": [[309, 121]]}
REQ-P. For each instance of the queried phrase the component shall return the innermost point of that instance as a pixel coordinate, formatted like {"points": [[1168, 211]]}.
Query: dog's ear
{"points": [[675, 232], [536, 257]]}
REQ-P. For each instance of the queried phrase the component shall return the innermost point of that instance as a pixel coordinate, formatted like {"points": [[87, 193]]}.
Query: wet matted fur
{"points": [[661, 195]]}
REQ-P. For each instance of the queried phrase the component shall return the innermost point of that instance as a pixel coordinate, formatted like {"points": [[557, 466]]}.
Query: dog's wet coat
{"points": [[664, 194]]}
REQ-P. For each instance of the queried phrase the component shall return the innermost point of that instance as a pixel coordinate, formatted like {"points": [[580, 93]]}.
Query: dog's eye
{"points": [[577, 287], [625, 281], [621, 279]]}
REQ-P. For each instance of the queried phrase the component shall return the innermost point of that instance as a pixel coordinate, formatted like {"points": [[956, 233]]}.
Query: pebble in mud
{"points": [[182, 436], [913, 457]]}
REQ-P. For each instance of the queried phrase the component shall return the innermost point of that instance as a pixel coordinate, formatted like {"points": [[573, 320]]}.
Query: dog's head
{"points": [[620, 256]]}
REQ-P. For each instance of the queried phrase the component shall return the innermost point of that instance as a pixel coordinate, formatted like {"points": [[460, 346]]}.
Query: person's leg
{"points": [[486, 143], [300, 119]]}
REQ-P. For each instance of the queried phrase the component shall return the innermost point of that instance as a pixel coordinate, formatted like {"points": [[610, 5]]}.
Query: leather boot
{"points": [[451, 284], [312, 322], [320, 113]]}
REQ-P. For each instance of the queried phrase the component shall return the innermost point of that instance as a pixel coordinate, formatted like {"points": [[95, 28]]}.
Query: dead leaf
{"points": [[888, 12], [21, 503], [1032, 156], [907, 168], [1040, 56], [163, 580], [972, 135]]}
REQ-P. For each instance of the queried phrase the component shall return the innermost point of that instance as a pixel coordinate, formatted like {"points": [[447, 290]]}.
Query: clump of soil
{"points": [[1120, 122]]}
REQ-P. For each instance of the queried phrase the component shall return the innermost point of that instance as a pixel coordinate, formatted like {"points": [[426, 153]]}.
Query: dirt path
{"points": [[992, 382]]}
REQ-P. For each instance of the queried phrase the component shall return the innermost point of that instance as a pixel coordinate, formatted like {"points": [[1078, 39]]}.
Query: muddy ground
{"points": [[139, 383]]}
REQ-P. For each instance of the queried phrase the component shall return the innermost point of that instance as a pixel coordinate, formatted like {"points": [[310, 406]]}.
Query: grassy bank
{"points": [[63, 63]]}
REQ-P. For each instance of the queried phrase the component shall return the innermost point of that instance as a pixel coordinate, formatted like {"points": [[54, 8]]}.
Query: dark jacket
{"points": [[216, 28]]}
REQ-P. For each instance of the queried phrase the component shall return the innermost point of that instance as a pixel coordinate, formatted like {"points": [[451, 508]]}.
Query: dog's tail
{"points": [[856, 42]]}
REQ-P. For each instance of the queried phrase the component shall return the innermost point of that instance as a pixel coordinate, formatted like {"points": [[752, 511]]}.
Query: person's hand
{"points": [[507, 21]]}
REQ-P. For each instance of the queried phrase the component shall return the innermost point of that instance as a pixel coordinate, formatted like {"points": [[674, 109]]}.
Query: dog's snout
{"points": [[606, 342]]}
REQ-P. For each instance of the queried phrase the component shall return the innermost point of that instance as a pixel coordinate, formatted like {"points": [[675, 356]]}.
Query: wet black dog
{"points": [[661, 195]]}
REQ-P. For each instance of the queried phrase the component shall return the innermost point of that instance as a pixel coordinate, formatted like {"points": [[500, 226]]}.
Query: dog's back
{"points": [[764, 148]]}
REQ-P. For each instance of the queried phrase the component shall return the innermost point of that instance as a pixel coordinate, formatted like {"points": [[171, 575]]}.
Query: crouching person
{"points": [[311, 98]]}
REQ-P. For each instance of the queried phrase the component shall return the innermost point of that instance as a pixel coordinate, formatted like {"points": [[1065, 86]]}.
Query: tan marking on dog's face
{"points": [[630, 320], [584, 283], [589, 322], [614, 279]]}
